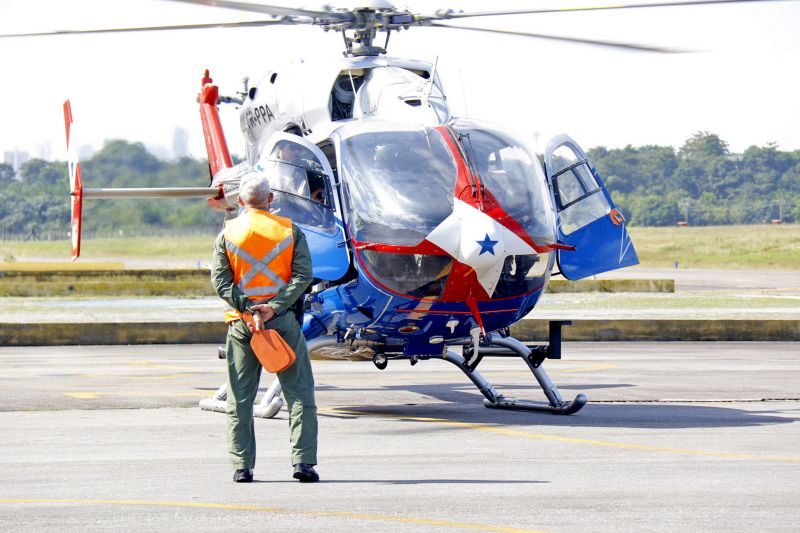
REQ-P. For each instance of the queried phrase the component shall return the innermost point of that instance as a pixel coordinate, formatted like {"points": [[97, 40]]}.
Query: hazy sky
{"points": [[742, 83]]}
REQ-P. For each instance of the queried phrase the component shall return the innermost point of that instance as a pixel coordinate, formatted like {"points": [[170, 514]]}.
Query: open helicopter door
{"points": [[587, 218], [303, 183]]}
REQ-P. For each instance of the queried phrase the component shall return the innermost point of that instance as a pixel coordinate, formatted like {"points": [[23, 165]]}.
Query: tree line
{"points": [[35, 204], [702, 182]]}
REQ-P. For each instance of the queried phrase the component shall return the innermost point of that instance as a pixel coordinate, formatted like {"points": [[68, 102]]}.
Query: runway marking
{"points": [[550, 370], [572, 440], [279, 510], [166, 376], [82, 395], [162, 377], [593, 368], [150, 364], [97, 395]]}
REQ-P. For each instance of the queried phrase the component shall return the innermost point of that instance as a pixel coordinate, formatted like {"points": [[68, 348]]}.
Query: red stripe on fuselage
{"points": [[483, 200], [423, 248]]}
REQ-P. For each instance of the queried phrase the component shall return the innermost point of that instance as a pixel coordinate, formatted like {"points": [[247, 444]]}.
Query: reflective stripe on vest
{"points": [[259, 246], [259, 266]]}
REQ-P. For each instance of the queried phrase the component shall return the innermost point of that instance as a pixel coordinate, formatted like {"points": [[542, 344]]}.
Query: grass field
{"points": [[170, 249], [735, 247], [732, 247]]}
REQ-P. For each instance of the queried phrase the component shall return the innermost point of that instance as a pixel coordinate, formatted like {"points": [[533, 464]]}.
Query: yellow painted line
{"points": [[82, 395], [150, 364], [573, 440], [279, 510], [145, 377], [165, 376], [552, 371], [592, 368], [140, 394]]}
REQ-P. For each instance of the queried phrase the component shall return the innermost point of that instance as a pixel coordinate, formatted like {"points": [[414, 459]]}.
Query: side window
{"points": [[299, 172], [329, 151], [300, 186], [569, 188], [579, 198]]}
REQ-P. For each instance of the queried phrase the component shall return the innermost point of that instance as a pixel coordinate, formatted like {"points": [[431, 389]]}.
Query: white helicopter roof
{"points": [[300, 93]]}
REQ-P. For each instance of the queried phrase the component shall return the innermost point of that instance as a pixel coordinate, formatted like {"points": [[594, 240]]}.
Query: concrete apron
{"points": [[208, 332]]}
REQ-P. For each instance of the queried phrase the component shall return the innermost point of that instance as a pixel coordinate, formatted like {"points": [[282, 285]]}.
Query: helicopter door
{"points": [[305, 192], [587, 218]]}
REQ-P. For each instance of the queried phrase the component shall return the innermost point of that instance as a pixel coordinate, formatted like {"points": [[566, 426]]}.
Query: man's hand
{"points": [[264, 312], [258, 321]]}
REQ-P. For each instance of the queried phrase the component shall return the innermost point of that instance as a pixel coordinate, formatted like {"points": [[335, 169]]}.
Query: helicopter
{"points": [[431, 234]]}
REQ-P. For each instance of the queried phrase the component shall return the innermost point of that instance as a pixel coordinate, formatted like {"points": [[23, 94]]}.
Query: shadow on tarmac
{"points": [[416, 481], [468, 408]]}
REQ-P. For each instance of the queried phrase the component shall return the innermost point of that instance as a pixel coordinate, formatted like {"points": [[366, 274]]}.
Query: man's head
{"points": [[289, 151], [255, 191]]}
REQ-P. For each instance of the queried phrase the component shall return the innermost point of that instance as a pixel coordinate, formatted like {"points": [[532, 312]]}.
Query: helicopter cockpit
{"points": [[400, 182], [299, 186]]}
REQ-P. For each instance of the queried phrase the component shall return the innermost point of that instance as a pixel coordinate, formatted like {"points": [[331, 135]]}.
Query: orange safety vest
{"points": [[259, 246]]}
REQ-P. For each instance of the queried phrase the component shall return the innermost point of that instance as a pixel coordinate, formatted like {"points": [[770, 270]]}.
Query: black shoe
{"points": [[305, 473], [244, 475]]}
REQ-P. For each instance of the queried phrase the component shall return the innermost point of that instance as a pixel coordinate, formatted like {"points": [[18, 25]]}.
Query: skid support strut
{"points": [[497, 346], [268, 407], [495, 400], [557, 406]]}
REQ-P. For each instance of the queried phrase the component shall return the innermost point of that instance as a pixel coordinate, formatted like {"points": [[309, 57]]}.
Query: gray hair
{"points": [[255, 189]]}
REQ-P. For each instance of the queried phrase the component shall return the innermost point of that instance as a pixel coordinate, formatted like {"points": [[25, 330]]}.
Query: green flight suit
{"points": [[244, 369]]}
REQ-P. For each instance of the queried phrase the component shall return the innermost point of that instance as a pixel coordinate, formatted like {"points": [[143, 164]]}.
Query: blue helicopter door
{"points": [[587, 218], [305, 192]]}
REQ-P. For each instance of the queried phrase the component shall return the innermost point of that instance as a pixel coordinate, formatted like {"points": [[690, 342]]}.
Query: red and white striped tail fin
{"points": [[75, 183]]}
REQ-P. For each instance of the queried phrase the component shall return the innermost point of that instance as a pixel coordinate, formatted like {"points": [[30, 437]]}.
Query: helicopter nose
{"points": [[478, 241]]}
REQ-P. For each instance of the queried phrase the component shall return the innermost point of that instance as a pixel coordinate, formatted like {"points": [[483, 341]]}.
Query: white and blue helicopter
{"points": [[431, 235]]}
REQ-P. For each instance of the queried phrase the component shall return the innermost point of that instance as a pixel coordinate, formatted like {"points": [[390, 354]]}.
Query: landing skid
{"points": [[268, 407], [494, 346], [511, 346]]}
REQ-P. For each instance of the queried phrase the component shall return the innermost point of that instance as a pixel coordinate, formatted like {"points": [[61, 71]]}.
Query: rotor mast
{"points": [[361, 25]]}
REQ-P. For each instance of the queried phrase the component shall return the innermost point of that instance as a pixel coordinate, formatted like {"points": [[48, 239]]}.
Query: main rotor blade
{"points": [[277, 11], [451, 14], [249, 24], [151, 192], [608, 44]]}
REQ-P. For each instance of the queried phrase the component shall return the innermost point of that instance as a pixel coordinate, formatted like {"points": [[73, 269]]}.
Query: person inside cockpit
{"points": [[305, 178]]}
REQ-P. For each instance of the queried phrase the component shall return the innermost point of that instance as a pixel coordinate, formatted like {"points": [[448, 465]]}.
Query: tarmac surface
{"points": [[677, 436]]}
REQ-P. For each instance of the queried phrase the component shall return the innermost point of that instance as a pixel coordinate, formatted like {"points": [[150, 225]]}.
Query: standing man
{"points": [[262, 266]]}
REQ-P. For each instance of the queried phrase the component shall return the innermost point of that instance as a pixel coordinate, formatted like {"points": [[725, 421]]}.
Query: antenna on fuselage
{"points": [[352, 83], [429, 88]]}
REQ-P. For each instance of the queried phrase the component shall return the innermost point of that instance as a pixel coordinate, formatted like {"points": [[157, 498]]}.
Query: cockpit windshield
{"points": [[401, 182], [511, 175]]}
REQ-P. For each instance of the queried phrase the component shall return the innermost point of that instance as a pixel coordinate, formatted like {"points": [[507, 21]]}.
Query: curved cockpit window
{"points": [[512, 176], [299, 186], [400, 182]]}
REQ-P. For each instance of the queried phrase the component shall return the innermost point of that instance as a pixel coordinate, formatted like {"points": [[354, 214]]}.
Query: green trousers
{"points": [[297, 382]]}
